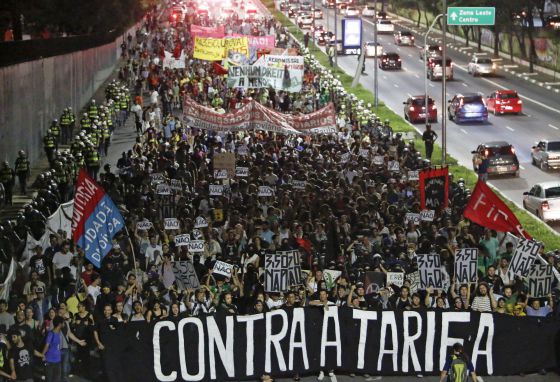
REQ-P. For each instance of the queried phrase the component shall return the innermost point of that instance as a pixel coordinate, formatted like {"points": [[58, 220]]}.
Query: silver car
{"points": [[544, 200], [481, 66], [546, 154]]}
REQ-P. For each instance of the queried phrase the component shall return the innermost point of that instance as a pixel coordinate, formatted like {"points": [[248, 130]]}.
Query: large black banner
{"points": [[307, 340]]}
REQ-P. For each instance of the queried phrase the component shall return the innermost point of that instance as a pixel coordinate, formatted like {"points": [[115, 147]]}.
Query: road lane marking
{"points": [[395, 85], [465, 85], [511, 66], [416, 75], [521, 167], [529, 74], [521, 95], [552, 126], [509, 128], [464, 131], [431, 85]]}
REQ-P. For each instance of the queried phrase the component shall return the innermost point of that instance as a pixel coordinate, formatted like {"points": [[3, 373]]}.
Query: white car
{"points": [[544, 200], [368, 11], [305, 20], [351, 11], [546, 154], [318, 14], [371, 48], [385, 26], [481, 66]]}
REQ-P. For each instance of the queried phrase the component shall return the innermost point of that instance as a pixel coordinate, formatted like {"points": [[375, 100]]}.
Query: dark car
{"points": [[284, 6], [306, 6], [501, 158], [390, 60], [415, 110], [467, 107], [431, 51], [293, 10]]}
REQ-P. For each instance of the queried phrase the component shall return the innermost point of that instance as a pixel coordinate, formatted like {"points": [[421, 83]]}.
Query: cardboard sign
{"points": [[200, 222], [466, 265], [364, 153], [539, 280], [163, 189], [216, 189], [195, 246], [378, 160], [185, 275], [412, 217], [345, 157], [175, 185], [197, 235], [171, 223], [225, 161], [221, 268], [393, 166], [524, 257], [282, 270], [299, 184], [181, 240], [429, 267], [144, 225], [414, 279], [427, 215], [266, 191], [395, 278], [242, 172], [157, 177], [413, 175]]}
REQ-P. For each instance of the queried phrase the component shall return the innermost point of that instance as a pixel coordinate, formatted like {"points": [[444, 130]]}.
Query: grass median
{"points": [[536, 228]]}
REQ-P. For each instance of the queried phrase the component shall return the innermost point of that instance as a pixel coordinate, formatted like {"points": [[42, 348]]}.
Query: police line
{"points": [[304, 340]]}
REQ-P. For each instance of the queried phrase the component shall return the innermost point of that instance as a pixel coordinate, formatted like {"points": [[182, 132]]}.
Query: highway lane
{"points": [[540, 117]]}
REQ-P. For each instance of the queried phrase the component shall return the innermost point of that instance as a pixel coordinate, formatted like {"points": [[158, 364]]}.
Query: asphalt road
{"points": [[541, 107]]}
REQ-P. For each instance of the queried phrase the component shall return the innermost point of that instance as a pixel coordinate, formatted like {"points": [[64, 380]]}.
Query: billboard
{"points": [[352, 36]]}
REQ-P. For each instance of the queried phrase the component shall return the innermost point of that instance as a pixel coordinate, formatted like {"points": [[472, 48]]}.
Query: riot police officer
{"points": [[7, 177], [23, 170]]}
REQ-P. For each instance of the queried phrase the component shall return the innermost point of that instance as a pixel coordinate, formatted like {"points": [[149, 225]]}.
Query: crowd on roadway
{"points": [[347, 217]]}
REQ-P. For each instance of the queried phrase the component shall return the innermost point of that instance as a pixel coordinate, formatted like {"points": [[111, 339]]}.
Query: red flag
{"points": [[487, 209], [219, 69]]}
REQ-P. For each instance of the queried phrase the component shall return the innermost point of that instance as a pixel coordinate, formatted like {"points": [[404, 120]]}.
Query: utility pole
{"points": [[443, 87], [361, 59], [426, 103], [335, 35], [375, 82]]}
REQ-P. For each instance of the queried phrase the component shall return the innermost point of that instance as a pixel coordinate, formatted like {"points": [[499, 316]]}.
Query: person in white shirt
{"points": [[63, 258], [151, 249], [94, 289]]}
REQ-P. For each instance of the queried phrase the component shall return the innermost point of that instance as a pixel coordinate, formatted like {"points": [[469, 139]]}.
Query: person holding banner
{"points": [[534, 308]]}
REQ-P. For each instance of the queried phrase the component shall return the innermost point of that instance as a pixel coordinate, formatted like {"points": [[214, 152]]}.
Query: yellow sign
{"points": [[215, 49]]}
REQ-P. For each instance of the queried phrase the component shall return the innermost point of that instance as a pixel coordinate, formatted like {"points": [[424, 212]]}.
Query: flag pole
{"points": [[132, 249]]}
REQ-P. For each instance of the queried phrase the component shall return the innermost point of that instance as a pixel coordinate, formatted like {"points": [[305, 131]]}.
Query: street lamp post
{"points": [[375, 82], [335, 36], [426, 69], [444, 87]]}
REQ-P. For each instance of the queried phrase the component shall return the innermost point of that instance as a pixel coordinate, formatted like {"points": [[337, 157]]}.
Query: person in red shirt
{"points": [[89, 274]]}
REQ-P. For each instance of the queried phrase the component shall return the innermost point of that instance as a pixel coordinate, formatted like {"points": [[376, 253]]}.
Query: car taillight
{"points": [[411, 108], [519, 102], [513, 150], [498, 102], [486, 152], [412, 38], [434, 107], [399, 59], [545, 205]]}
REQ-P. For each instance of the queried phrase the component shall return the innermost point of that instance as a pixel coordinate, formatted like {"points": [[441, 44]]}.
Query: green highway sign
{"points": [[471, 15]]}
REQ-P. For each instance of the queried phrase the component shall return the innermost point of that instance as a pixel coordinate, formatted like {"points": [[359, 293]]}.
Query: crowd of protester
{"points": [[349, 217]]}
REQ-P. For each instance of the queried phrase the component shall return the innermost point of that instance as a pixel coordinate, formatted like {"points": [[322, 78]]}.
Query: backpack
{"points": [[459, 370]]}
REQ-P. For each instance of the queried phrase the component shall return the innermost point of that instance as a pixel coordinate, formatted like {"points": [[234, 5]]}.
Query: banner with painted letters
{"points": [[429, 267], [539, 280], [185, 275], [144, 225], [171, 223], [434, 188], [282, 270], [222, 268], [524, 257], [466, 262], [395, 278], [284, 342]]}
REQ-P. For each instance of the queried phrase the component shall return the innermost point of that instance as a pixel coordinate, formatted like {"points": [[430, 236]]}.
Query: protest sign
{"points": [[330, 276], [220, 174], [185, 275], [200, 222], [182, 240], [395, 278], [429, 267], [412, 217], [222, 268], [196, 234], [257, 77], [345, 157], [374, 281], [413, 175], [524, 257], [299, 184], [175, 185], [282, 270], [195, 246], [393, 165], [433, 185], [163, 189], [144, 225], [224, 161], [427, 215], [364, 153], [266, 191], [242, 172], [466, 263], [215, 49], [169, 61], [378, 160], [171, 223], [243, 150], [414, 279], [157, 177], [539, 280], [216, 189], [292, 71]]}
